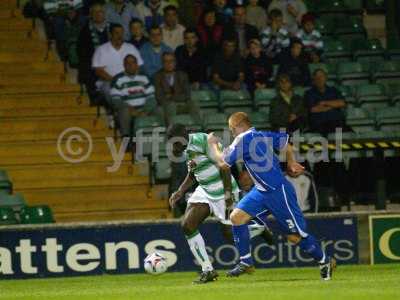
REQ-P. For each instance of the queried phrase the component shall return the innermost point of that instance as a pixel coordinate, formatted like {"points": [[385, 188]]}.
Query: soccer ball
{"points": [[155, 264]]}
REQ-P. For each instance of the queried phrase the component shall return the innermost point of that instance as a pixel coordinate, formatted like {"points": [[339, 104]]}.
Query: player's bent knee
{"points": [[239, 217], [294, 238], [188, 227]]}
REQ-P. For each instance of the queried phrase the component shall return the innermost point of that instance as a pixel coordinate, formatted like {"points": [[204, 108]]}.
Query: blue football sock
{"points": [[241, 237], [313, 248]]}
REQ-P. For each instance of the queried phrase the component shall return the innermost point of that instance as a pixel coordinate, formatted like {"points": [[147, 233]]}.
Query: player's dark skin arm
{"points": [[226, 180], [186, 184]]}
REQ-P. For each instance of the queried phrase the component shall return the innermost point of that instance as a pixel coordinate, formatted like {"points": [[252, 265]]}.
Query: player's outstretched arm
{"points": [[215, 151], [186, 185], [294, 169]]}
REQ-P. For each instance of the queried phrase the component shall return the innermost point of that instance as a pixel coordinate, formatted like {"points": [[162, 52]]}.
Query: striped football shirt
{"points": [[133, 90], [206, 172], [274, 43], [311, 40]]}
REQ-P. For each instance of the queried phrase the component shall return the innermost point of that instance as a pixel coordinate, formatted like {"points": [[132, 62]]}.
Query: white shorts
{"points": [[217, 207]]}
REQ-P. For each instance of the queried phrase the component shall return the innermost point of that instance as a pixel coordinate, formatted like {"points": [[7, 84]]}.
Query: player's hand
{"points": [[294, 169], [229, 199], [174, 198], [191, 164], [212, 138]]}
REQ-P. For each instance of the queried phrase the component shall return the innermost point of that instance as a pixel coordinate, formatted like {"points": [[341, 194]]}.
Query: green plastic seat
{"points": [[350, 26], [147, 123], [36, 215], [263, 97], [5, 182], [162, 170], [326, 26], [374, 6], [260, 120], [235, 98], [15, 201], [369, 48], [393, 47], [393, 89], [388, 119], [7, 216], [205, 98], [359, 119], [387, 69], [187, 120], [353, 6], [233, 109], [214, 122], [347, 92], [331, 6], [335, 49], [372, 97], [352, 72]]}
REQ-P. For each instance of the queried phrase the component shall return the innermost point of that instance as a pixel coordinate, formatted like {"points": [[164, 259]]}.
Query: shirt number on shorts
{"points": [[290, 223]]}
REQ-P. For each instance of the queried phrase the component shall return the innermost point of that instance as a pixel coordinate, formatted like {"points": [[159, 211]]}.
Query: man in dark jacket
{"points": [[293, 64], [242, 32], [92, 35]]}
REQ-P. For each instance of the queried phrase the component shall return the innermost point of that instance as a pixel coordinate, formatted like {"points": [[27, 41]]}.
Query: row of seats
{"points": [[342, 6], [13, 208]]}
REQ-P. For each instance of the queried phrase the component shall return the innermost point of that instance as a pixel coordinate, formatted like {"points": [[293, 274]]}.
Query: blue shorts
{"points": [[281, 203]]}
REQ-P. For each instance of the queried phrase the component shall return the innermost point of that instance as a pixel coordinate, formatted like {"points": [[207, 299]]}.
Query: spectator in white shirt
{"points": [[108, 59], [172, 31]]}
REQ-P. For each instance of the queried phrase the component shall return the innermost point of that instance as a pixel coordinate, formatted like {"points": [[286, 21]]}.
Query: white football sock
{"points": [[198, 247]]}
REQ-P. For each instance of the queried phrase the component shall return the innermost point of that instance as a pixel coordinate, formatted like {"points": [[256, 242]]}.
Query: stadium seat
{"points": [[205, 98], [36, 215], [359, 119], [263, 97], [260, 120], [187, 120], [215, 122], [235, 99], [347, 92], [388, 119], [368, 48], [387, 69], [148, 125], [372, 96], [15, 201], [393, 47], [7, 216], [393, 90], [5, 182], [331, 6], [353, 6], [232, 109], [325, 25], [350, 26], [352, 73], [300, 90], [337, 50], [162, 170]]}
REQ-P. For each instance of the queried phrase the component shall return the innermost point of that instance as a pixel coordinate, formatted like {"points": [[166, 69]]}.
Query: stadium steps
{"points": [[87, 199], [42, 101], [46, 152], [112, 215], [69, 175], [36, 105]]}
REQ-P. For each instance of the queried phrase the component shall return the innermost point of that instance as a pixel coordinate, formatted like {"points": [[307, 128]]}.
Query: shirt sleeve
{"points": [[97, 61], [279, 139], [234, 152]]}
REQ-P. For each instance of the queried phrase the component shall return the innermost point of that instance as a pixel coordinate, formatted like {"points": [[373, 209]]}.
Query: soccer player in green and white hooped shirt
{"points": [[216, 193]]}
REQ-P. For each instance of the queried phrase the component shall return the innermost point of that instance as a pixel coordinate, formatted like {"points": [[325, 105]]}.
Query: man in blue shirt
{"points": [[272, 193], [325, 104]]}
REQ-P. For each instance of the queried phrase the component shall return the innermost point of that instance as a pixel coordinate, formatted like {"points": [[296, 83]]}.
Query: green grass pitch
{"points": [[350, 282]]}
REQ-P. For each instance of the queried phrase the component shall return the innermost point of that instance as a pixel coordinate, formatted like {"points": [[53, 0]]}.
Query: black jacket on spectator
{"points": [[258, 70], [193, 65], [280, 111], [85, 49], [250, 33], [228, 69], [296, 68], [139, 43]]}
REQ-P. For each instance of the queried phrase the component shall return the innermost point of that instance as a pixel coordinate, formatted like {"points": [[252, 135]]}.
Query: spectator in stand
{"points": [[152, 52], [275, 38], [288, 110], [173, 91], [325, 106], [311, 39], [190, 59], [258, 68], [121, 12], [256, 15], [172, 31], [93, 34], [241, 31], [138, 38], [108, 59], [210, 34], [227, 70], [151, 12], [223, 12], [293, 11], [132, 95], [293, 64]]}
